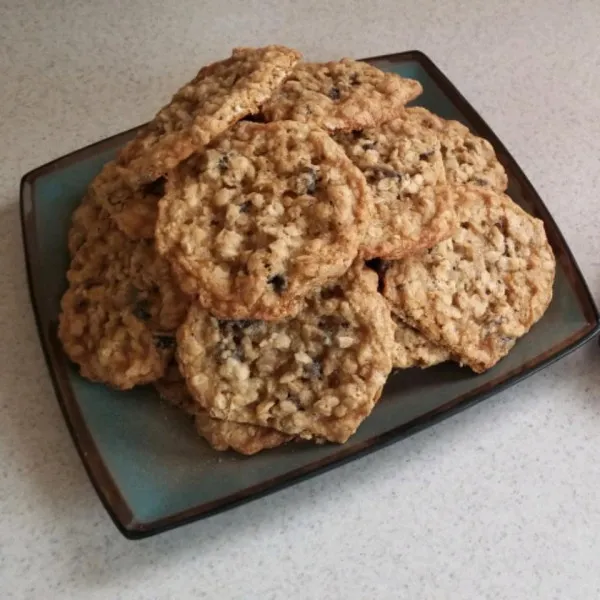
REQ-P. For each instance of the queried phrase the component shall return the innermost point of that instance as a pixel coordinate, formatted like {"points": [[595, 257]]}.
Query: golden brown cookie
{"points": [[119, 315], [267, 214], [467, 157], [88, 222], [318, 374], [220, 94], [413, 349], [220, 435], [403, 166], [345, 94], [134, 208], [479, 291]]}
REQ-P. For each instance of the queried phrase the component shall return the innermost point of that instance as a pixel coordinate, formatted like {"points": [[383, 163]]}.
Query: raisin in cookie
{"points": [[480, 290], [220, 435], [265, 215], [316, 375], [467, 157], [119, 315], [134, 208], [403, 166], [345, 94], [220, 94], [413, 349]]}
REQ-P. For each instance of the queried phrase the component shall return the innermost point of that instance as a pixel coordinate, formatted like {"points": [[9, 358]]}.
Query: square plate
{"points": [[149, 467]]}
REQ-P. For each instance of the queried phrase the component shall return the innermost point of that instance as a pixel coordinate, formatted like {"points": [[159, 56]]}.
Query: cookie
{"points": [[318, 374], [479, 291], [403, 166], [264, 216], [467, 157], [345, 94], [134, 208], [119, 315], [220, 94], [172, 388], [413, 349], [89, 221], [220, 435]]}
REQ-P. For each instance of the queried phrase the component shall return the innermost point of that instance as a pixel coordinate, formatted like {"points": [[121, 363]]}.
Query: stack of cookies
{"points": [[281, 236]]}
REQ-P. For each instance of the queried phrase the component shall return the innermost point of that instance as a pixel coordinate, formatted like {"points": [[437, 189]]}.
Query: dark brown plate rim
{"points": [[97, 471]]}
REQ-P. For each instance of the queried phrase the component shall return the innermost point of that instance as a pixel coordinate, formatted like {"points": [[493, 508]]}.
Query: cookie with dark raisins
{"points": [[261, 218], [221, 94], [317, 375], [119, 315], [479, 291], [404, 169], [133, 207], [468, 158], [345, 94], [220, 435]]}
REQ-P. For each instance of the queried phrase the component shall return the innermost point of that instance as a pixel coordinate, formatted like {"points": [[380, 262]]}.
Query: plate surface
{"points": [[149, 467]]}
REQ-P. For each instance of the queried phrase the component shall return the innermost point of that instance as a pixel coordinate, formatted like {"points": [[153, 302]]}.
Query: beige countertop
{"points": [[501, 501]]}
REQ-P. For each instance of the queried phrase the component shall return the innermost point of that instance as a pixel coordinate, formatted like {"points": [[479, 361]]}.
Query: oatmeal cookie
{"points": [[220, 435], [89, 221], [345, 94], [119, 315], [479, 291], [413, 349], [220, 94], [318, 374], [267, 214], [403, 166], [134, 208], [467, 157]]}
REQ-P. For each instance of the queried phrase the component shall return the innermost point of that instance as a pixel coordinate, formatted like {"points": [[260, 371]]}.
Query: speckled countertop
{"points": [[502, 501]]}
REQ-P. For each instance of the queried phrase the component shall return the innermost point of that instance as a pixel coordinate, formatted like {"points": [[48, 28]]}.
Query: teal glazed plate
{"points": [[148, 465]]}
